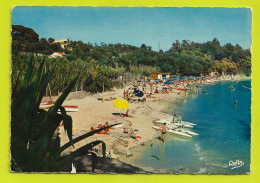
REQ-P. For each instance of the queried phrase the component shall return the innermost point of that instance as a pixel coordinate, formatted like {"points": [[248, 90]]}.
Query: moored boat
{"points": [[175, 131]]}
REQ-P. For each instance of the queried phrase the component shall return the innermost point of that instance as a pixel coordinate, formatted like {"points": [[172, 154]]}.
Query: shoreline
{"points": [[120, 145]]}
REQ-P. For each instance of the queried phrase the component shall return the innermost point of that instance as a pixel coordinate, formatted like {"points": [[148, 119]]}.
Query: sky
{"points": [[157, 27]]}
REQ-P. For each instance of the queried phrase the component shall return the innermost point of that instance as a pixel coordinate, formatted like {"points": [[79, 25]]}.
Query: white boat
{"points": [[178, 119], [186, 122], [175, 125], [189, 132], [177, 131]]}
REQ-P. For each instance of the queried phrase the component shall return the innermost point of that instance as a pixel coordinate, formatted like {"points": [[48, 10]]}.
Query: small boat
{"points": [[186, 122], [177, 131], [178, 120], [175, 125], [68, 108], [71, 108], [189, 132], [182, 89], [46, 104]]}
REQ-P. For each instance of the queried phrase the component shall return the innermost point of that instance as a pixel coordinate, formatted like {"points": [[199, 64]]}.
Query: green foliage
{"points": [[225, 65], [143, 70], [107, 62], [23, 39], [34, 138]]}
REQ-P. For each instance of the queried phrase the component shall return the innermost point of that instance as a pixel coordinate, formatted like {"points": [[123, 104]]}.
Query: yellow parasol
{"points": [[121, 103]]}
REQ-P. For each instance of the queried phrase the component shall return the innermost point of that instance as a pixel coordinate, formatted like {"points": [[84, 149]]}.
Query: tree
{"points": [[225, 65], [23, 38], [51, 40]]}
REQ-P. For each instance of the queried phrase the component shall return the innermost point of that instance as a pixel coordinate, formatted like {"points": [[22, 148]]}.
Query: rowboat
{"points": [[71, 108], [68, 108], [182, 89], [177, 131], [46, 105]]}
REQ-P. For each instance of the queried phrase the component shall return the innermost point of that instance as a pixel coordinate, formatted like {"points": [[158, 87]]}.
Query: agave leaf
{"points": [[44, 84], [28, 74], [22, 110], [30, 99], [22, 84], [79, 152], [64, 95], [94, 160], [104, 149], [48, 120], [17, 85], [40, 93], [65, 146], [67, 120]]}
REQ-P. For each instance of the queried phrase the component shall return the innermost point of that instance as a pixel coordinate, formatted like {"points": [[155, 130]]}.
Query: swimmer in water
{"points": [[235, 101]]}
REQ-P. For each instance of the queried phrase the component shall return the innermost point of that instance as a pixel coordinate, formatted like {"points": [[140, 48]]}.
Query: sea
{"points": [[224, 128]]}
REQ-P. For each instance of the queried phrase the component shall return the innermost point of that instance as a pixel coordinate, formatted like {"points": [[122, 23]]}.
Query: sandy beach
{"points": [[120, 145]]}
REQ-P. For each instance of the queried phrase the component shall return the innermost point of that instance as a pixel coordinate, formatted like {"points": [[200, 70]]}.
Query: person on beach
{"points": [[127, 113], [106, 130], [173, 118], [100, 126], [124, 94], [92, 129], [164, 128]]}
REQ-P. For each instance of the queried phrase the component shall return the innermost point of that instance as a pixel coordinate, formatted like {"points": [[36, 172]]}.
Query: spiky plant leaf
{"points": [[65, 146], [94, 160], [49, 118], [67, 121], [79, 152]]}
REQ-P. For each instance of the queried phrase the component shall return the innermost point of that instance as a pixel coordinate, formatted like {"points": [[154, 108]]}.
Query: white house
{"points": [[57, 55], [63, 42]]}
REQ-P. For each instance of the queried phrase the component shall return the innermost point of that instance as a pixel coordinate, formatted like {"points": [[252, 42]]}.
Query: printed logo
{"points": [[235, 164]]}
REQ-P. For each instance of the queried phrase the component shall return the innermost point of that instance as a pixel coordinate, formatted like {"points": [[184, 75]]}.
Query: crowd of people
{"points": [[100, 126]]}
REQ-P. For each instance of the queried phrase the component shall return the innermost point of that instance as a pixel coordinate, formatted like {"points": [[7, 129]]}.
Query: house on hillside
{"points": [[214, 74], [57, 55], [63, 42], [160, 76]]}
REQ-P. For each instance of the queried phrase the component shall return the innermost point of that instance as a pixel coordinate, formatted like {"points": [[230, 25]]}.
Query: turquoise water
{"points": [[224, 128]]}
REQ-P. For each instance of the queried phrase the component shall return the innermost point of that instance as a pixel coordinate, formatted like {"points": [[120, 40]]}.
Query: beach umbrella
{"points": [[139, 93], [121, 103]]}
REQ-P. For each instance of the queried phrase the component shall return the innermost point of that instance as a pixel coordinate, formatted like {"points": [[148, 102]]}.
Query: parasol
{"points": [[121, 103]]}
